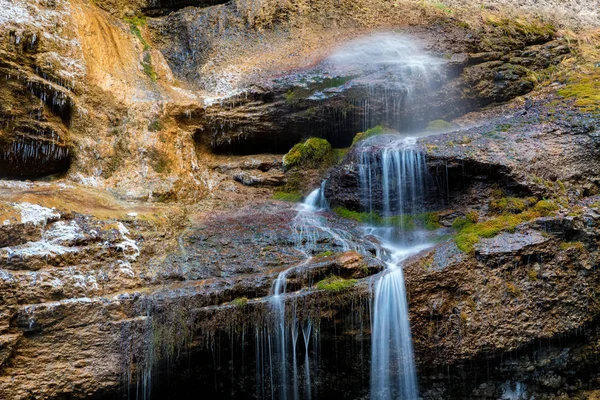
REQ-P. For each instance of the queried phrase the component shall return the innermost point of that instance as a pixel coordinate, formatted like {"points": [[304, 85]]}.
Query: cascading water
{"points": [[394, 186], [282, 336], [394, 182]]}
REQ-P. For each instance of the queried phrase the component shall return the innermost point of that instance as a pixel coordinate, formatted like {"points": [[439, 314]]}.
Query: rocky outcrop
{"points": [[152, 249], [505, 151]]}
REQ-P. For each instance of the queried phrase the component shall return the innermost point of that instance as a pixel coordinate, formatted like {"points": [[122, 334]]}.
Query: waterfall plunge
{"points": [[394, 182], [395, 174]]}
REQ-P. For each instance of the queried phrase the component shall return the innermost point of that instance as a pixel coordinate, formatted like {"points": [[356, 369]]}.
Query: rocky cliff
{"points": [[141, 147]]}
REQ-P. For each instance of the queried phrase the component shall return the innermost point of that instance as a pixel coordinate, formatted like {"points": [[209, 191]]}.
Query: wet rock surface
{"points": [[520, 151], [146, 259]]}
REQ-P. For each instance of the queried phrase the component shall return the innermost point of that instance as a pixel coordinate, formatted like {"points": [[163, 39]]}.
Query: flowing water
{"points": [[394, 174], [310, 225], [394, 185]]}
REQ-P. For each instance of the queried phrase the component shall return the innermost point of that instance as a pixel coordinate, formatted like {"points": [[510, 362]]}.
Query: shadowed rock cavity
{"points": [[378, 79], [33, 158], [162, 7]]}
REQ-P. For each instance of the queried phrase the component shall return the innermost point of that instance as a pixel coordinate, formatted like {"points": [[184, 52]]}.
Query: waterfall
{"points": [[316, 199], [394, 186], [310, 225], [394, 181]]}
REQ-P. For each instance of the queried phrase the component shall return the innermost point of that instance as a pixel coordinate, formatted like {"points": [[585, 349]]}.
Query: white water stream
{"points": [[394, 184]]}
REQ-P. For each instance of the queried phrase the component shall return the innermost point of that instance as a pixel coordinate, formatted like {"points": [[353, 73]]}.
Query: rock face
{"points": [[148, 237], [506, 151], [274, 114]]}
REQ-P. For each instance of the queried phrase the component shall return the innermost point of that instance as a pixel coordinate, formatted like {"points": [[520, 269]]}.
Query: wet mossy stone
{"points": [[313, 153], [335, 284], [439, 125], [376, 130]]}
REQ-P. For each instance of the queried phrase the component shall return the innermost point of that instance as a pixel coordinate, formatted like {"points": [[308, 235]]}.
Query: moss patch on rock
{"points": [[313, 153], [438, 125], [292, 196], [470, 232], [407, 222], [534, 30], [240, 302], [376, 130], [335, 284], [585, 90]]}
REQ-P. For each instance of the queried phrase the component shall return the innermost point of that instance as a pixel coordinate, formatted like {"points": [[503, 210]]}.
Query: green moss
{"points": [[469, 219], [155, 126], [340, 154], [313, 153], [294, 197], [509, 204], [158, 160], [531, 29], [148, 67], [571, 245], [585, 90], [290, 96], [466, 241], [335, 284], [376, 130], [403, 222], [512, 290], [135, 23], [138, 20], [470, 233], [328, 253], [406, 222], [532, 274], [439, 125], [545, 207], [240, 302], [362, 217], [443, 8], [429, 220]]}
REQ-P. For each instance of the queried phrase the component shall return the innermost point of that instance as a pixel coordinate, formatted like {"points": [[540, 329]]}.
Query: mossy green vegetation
{"points": [[532, 275], [362, 217], [545, 207], [429, 220], [584, 88], [313, 153], [148, 67], [327, 253], [240, 302], [443, 8], [155, 126], [158, 160], [293, 196], [571, 245], [462, 222], [512, 290], [531, 28], [426, 220], [376, 130], [439, 125], [513, 205], [335, 284], [469, 233], [135, 24], [290, 96]]}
